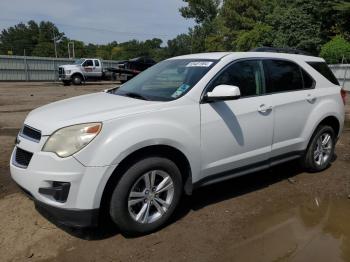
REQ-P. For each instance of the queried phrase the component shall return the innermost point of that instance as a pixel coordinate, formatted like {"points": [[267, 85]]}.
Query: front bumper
{"points": [[64, 77], [79, 208], [68, 217]]}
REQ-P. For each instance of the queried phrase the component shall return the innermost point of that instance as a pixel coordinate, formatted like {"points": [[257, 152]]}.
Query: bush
{"points": [[334, 51]]}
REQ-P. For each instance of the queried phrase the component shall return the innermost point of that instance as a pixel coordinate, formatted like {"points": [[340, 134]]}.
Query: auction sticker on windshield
{"points": [[180, 90], [199, 64]]}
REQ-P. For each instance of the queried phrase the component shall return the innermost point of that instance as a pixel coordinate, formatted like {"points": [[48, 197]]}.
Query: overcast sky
{"points": [[101, 21]]}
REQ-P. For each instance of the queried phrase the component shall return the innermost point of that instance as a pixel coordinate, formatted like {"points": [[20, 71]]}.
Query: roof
{"points": [[213, 55], [238, 55]]}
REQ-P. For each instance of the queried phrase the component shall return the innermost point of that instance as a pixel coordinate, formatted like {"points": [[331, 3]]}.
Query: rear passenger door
{"points": [[97, 68], [292, 94]]}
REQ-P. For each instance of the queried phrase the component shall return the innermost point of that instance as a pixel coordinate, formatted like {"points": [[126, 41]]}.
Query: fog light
{"points": [[59, 191]]}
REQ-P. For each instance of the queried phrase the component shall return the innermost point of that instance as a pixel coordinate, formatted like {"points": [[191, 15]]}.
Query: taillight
{"points": [[343, 95]]}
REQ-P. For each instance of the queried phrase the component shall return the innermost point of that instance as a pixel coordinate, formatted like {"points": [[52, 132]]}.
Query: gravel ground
{"points": [[283, 214]]}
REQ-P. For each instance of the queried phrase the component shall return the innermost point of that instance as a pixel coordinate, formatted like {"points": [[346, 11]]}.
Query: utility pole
{"points": [[25, 65], [54, 41], [68, 51], [73, 50]]}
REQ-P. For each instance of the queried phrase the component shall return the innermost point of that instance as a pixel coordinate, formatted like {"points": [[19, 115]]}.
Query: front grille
{"points": [[31, 133], [61, 71], [22, 158]]}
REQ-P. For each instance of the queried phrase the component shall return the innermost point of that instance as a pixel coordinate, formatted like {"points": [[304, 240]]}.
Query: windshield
{"points": [[79, 61], [167, 80]]}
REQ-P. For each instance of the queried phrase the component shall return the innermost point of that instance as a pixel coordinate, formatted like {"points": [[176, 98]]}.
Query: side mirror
{"points": [[222, 93]]}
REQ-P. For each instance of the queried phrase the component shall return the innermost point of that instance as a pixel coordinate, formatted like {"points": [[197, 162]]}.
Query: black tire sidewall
{"points": [[310, 163], [118, 206], [77, 82]]}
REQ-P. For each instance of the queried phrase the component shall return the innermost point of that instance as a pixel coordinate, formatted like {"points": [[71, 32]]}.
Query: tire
{"points": [[77, 80], [317, 157], [66, 83], [127, 215]]}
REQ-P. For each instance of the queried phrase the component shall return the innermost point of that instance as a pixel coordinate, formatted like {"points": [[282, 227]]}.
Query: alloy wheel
{"points": [[150, 196], [323, 149]]}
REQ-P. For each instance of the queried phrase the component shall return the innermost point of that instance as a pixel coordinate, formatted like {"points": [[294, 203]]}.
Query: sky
{"points": [[101, 21]]}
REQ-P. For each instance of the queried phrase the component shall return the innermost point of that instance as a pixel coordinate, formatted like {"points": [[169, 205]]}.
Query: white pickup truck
{"points": [[92, 69], [82, 70]]}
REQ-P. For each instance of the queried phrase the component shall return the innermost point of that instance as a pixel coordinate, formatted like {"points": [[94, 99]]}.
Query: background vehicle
{"points": [[92, 69], [130, 68], [186, 122]]}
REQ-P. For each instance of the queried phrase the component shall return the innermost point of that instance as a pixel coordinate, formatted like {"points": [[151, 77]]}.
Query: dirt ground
{"points": [[282, 214]]}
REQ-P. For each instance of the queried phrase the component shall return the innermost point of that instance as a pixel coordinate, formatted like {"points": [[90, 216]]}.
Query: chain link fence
{"points": [[342, 73]]}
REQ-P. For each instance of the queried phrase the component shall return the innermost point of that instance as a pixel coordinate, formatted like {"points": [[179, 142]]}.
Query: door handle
{"points": [[311, 99], [264, 108]]}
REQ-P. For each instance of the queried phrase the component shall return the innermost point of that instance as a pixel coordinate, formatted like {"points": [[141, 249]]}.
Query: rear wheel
{"points": [[146, 195], [320, 150]]}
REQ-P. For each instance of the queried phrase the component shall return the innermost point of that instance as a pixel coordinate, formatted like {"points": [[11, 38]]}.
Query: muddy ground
{"points": [[282, 214]]}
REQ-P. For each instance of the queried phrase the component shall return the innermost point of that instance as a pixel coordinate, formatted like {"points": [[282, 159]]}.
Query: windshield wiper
{"points": [[135, 95]]}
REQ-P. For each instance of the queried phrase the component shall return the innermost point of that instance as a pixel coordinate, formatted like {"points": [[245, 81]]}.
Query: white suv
{"points": [[186, 122]]}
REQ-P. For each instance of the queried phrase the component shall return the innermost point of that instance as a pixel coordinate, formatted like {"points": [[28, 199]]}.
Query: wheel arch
{"points": [[170, 152], [77, 73], [330, 120]]}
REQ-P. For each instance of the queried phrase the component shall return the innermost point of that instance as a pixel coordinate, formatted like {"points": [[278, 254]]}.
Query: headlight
{"points": [[68, 72], [69, 140]]}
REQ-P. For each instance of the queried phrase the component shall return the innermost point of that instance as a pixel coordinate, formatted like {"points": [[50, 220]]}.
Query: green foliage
{"points": [[241, 14], [180, 45], [260, 35], [245, 24], [335, 50], [201, 11], [292, 27]]}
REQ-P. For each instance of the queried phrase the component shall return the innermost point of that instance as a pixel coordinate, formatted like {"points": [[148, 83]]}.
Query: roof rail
{"points": [[280, 50]]}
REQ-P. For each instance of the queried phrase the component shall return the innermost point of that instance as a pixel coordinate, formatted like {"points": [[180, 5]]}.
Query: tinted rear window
{"points": [[324, 70], [282, 76]]}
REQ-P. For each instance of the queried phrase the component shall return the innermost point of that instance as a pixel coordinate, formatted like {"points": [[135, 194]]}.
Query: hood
{"points": [[97, 107]]}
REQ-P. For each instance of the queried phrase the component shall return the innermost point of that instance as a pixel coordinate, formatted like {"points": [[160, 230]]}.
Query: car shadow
{"points": [[230, 119], [200, 198]]}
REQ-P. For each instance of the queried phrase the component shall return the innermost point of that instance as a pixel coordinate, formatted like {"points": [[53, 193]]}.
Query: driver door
{"points": [[236, 135], [88, 67]]}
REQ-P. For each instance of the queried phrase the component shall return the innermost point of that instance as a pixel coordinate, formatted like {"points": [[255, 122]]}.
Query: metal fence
{"points": [[342, 72], [30, 68]]}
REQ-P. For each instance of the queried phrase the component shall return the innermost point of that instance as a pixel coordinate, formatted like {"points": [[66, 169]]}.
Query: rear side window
{"points": [[309, 82], [247, 75], [97, 63], [282, 76], [324, 70]]}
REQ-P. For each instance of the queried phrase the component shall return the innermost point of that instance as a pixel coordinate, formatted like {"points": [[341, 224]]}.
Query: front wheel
{"points": [[320, 150], [77, 79], [146, 195]]}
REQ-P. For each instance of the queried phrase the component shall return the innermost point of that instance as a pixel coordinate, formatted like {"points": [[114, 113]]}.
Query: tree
{"points": [[180, 45], [260, 35], [47, 32], [202, 11], [294, 28], [335, 50], [19, 38]]}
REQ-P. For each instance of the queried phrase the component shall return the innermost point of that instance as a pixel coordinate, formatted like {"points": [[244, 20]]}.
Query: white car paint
{"points": [[264, 127]]}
